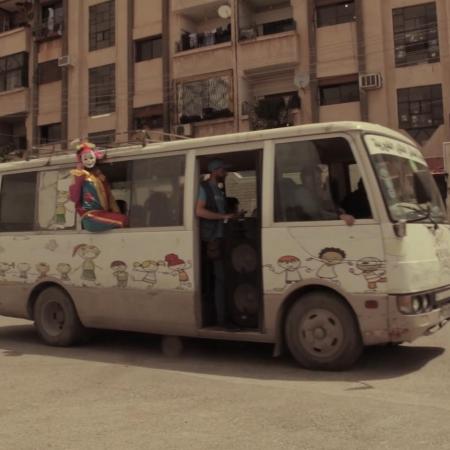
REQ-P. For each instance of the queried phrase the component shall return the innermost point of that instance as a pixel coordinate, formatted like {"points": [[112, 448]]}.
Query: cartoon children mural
{"points": [[60, 207], [64, 269], [372, 269], [23, 269], [145, 271], [178, 267], [87, 253], [42, 269], [119, 269], [4, 269], [330, 257], [290, 266]]}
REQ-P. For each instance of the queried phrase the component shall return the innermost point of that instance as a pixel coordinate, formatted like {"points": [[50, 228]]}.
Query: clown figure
{"points": [[91, 193]]}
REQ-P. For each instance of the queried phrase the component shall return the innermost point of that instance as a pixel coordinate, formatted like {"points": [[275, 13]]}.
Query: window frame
{"points": [[102, 30], [138, 50], [5, 61], [338, 18], [49, 72], [35, 204], [401, 32], [340, 86], [269, 190], [99, 89], [49, 141], [420, 103]]}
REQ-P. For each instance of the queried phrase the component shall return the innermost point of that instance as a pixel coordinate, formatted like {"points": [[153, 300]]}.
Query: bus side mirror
{"points": [[422, 188], [400, 228]]}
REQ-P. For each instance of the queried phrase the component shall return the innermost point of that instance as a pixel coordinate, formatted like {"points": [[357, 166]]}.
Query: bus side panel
{"points": [[168, 312], [136, 280], [349, 260], [13, 300]]}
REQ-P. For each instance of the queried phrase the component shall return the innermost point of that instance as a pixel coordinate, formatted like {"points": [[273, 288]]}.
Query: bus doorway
{"points": [[231, 268]]}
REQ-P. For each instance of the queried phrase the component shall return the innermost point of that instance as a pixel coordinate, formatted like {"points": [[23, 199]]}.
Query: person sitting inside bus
{"points": [[211, 210], [310, 205], [356, 203]]}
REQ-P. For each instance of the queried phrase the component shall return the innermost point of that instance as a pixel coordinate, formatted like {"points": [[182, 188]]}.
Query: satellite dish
{"points": [[224, 11]]}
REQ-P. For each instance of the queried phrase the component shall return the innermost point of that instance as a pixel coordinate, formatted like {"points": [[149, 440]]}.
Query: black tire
{"points": [[321, 332], [56, 319]]}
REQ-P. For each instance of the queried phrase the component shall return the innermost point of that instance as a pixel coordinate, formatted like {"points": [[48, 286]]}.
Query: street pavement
{"points": [[121, 392]]}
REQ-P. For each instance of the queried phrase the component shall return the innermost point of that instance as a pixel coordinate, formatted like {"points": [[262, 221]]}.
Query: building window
{"points": [[50, 133], [13, 71], [338, 12], [150, 117], [102, 90], [204, 99], [103, 138], [339, 93], [420, 111], [149, 48], [416, 34], [49, 72], [17, 202], [101, 25]]}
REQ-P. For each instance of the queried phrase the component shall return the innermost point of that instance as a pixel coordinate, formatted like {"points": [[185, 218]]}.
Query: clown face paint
{"points": [[88, 159]]}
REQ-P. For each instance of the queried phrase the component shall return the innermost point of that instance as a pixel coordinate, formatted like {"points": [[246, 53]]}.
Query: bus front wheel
{"points": [[321, 332], [56, 318]]}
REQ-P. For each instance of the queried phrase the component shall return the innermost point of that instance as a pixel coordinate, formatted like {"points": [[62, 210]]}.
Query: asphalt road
{"points": [[121, 392]]}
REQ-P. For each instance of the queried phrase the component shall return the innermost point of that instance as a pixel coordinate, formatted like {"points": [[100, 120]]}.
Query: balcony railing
{"points": [[49, 29], [189, 41], [265, 29]]}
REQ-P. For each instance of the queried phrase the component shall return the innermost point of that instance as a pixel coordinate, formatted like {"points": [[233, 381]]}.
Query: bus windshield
{"points": [[396, 164]]}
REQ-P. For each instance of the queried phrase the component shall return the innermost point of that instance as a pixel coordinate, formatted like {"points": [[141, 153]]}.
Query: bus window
{"points": [[55, 210], [17, 200], [314, 181], [157, 192]]}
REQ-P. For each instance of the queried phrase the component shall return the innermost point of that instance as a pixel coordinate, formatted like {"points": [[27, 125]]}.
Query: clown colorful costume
{"points": [[93, 199]]}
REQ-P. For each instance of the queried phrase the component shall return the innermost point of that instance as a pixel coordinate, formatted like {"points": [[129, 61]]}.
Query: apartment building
{"points": [[104, 69]]}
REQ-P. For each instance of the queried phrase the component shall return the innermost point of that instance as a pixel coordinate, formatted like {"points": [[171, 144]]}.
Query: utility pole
{"points": [[167, 97], [65, 78]]}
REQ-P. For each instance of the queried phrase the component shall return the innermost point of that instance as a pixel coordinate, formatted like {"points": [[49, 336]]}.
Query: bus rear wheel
{"points": [[321, 332], [56, 318]]}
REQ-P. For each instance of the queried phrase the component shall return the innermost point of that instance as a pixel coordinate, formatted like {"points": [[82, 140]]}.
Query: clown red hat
{"points": [[173, 260]]}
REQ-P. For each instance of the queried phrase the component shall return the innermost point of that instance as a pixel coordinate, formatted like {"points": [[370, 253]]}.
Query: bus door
{"points": [[241, 249]]}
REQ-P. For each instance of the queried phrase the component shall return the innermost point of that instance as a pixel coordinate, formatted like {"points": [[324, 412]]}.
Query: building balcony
{"points": [[14, 41], [14, 15], [48, 29], [13, 102], [273, 49], [203, 60]]}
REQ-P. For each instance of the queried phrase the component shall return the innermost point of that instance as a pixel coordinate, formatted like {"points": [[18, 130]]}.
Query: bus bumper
{"points": [[407, 328]]}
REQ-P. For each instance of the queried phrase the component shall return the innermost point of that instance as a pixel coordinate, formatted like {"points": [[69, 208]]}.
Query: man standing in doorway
{"points": [[211, 210]]}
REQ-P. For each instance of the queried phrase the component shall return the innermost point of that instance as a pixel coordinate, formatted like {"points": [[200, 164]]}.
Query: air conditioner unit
{"points": [[64, 61], [185, 129], [371, 81]]}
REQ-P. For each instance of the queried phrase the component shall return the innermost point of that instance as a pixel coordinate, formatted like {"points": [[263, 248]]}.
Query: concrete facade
{"points": [[252, 50]]}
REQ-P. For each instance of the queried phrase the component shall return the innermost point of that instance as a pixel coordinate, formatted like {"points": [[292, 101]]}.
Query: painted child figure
{"points": [[92, 195]]}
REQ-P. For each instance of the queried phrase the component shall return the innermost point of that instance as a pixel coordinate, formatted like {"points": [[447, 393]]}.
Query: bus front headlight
{"points": [[414, 304]]}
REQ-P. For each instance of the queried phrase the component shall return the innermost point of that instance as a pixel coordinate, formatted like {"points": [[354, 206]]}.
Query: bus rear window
{"points": [[17, 202]]}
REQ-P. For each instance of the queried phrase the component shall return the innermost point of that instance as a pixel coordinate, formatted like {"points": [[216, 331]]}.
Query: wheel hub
{"points": [[321, 333]]}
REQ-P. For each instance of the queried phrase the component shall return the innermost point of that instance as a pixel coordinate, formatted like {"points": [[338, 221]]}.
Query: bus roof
{"points": [[224, 139]]}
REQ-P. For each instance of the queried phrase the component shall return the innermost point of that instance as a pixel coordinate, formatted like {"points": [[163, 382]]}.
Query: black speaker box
{"points": [[243, 272]]}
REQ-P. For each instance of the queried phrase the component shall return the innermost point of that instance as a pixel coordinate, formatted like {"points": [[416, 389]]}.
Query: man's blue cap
{"points": [[217, 164]]}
